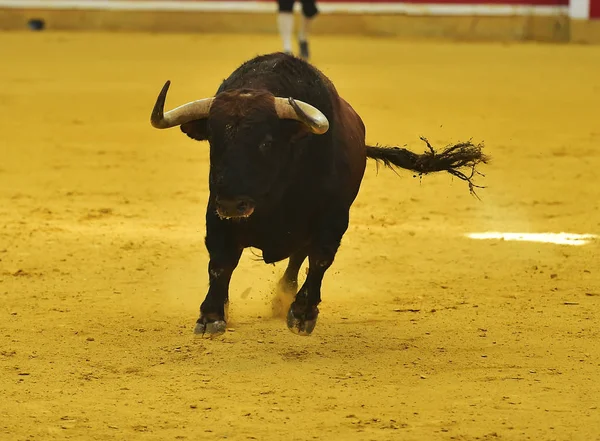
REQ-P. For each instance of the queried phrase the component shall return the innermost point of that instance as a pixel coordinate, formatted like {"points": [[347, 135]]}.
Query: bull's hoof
{"points": [[210, 328], [301, 325]]}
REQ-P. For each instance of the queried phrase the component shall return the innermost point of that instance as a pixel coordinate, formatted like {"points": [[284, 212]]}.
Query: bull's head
{"points": [[248, 141]]}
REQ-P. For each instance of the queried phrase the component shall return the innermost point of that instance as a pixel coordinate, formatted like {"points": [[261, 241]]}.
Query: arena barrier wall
{"points": [[584, 21], [505, 20]]}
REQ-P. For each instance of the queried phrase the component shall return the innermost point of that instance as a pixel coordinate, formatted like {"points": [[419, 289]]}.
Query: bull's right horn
{"points": [[180, 115], [313, 118]]}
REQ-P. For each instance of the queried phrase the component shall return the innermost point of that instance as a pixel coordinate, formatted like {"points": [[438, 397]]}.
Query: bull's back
{"points": [[349, 133]]}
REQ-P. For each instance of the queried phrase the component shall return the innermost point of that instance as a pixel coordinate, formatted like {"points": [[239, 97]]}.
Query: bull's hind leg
{"points": [[289, 280], [303, 313], [224, 258], [288, 284]]}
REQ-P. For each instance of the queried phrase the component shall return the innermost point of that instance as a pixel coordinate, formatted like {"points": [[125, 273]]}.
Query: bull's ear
{"points": [[197, 129]]}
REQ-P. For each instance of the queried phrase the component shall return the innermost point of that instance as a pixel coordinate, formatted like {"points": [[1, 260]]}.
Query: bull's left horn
{"points": [[180, 115], [313, 118]]}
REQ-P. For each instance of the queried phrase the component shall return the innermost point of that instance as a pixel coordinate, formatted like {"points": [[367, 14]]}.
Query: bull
{"points": [[287, 157]]}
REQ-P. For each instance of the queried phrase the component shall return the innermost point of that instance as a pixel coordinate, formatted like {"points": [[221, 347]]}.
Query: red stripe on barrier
{"points": [[456, 2], [595, 9], [459, 2]]}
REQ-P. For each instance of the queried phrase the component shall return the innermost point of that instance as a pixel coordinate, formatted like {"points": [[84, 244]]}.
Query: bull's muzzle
{"points": [[231, 208]]}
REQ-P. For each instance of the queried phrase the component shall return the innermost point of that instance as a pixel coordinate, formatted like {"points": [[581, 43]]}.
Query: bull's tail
{"points": [[452, 159]]}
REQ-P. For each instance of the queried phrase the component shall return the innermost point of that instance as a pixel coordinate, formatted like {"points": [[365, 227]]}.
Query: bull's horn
{"points": [[288, 108], [180, 115]]}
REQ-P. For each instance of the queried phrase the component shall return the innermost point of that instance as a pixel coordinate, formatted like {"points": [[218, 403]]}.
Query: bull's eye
{"points": [[265, 146]]}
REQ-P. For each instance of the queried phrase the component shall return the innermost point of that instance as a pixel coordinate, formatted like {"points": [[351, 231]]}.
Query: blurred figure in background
{"points": [[285, 24]]}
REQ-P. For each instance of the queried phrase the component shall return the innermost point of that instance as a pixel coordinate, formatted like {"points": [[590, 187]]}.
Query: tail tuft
{"points": [[453, 158]]}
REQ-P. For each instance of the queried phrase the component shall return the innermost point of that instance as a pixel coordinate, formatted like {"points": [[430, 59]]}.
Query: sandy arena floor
{"points": [[424, 334]]}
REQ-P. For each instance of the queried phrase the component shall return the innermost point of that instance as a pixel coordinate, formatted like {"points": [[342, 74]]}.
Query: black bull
{"points": [[287, 157]]}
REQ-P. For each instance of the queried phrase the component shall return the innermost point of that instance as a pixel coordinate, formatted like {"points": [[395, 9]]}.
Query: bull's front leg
{"points": [[303, 313], [224, 258]]}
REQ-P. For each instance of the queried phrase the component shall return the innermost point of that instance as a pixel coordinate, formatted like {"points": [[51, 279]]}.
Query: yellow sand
{"points": [[423, 334]]}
